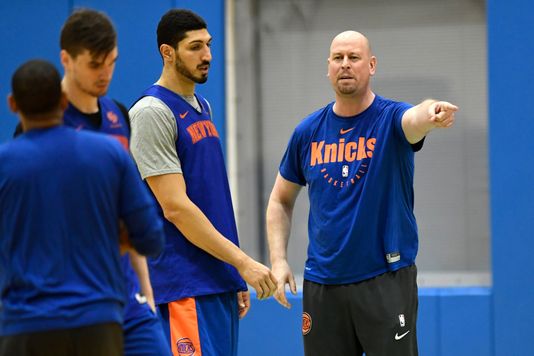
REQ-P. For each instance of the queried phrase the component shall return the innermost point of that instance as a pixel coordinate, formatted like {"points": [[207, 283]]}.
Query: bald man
{"points": [[356, 155]]}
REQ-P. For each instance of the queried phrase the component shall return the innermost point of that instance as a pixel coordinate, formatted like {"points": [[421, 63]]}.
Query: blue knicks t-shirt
{"points": [[359, 172]]}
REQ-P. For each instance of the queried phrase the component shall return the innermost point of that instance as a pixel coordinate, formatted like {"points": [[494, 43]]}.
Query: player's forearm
{"points": [[196, 227], [278, 230], [141, 270], [416, 123]]}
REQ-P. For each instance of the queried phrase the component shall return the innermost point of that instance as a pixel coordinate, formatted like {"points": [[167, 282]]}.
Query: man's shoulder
{"points": [[96, 140], [388, 103], [117, 103], [102, 148], [149, 103], [6, 147], [313, 120]]}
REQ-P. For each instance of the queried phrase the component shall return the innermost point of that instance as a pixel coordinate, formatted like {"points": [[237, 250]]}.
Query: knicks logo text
{"points": [[185, 347], [202, 129], [341, 151]]}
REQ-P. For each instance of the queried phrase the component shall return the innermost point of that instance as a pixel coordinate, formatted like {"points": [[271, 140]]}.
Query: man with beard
{"points": [[199, 279], [88, 54], [356, 155]]}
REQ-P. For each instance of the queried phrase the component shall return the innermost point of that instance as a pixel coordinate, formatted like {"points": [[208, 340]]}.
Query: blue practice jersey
{"points": [[112, 122], [61, 195], [184, 270], [359, 173]]}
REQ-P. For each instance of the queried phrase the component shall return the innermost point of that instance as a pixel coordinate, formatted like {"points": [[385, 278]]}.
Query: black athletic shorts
{"points": [[377, 316], [93, 340]]}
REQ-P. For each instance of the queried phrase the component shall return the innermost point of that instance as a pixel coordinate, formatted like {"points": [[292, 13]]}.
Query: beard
{"points": [[350, 88], [346, 89], [181, 68]]}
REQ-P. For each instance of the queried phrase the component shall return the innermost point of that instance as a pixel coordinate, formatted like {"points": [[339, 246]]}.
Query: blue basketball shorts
{"points": [[205, 325], [144, 336]]}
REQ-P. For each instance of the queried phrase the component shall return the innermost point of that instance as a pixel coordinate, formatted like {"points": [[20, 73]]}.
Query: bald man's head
{"points": [[351, 37], [351, 64]]}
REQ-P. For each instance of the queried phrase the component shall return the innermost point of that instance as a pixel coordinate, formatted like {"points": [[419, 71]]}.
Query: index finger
{"points": [[448, 106]]}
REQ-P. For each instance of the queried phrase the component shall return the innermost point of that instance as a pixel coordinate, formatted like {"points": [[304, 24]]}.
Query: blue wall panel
{"points": [[428, 326], [270, 329], [511, 122], [31, 28], [28, 29], [465, 322]]}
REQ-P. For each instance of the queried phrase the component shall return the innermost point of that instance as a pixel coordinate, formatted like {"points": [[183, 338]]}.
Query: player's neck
{"points": [[86, 103], [42, 122], [352, 106], [176, 82]]}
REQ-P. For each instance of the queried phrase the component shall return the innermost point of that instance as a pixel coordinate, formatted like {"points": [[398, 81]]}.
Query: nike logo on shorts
{"points": [[398, 337], [141, 299]]}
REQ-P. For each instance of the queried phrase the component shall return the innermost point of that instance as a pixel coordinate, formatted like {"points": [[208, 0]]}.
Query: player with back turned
{"points": [[62, 194]]}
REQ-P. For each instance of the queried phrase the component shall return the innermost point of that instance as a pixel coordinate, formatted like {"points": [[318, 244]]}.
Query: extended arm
{"points": [[170, 191], [419, 120], [279, 215]]}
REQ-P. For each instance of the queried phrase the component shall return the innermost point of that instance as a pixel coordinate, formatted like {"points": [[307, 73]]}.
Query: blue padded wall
{"points": [[31, 29], [28, 29], [511, 150]]}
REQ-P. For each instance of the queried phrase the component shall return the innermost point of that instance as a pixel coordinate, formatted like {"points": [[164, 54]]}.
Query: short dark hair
{"points": [[36, 87], [87, 29], [175, 23]]}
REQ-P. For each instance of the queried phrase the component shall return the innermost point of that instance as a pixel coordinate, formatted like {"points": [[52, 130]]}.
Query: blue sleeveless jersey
{"points": [[359, 173], [184, 270], [114, 124], [113, 121]]}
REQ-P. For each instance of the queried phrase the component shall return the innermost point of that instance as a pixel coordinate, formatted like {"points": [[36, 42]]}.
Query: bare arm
{"points": [[141, 270], [138, 263], [279, 215], [419, 120], [170, 191]]}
